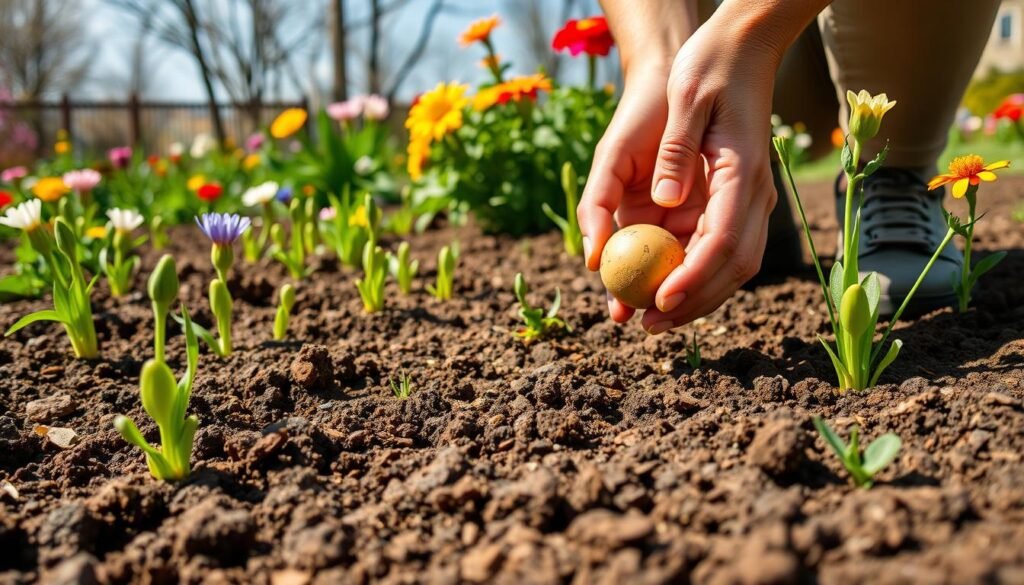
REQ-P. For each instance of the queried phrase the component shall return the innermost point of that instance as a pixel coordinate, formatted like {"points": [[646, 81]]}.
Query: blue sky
{"points": [[175, 77]]}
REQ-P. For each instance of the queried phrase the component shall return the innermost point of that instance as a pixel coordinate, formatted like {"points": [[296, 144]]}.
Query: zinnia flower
{"points": [[61, 147], [288, 122], [438, 112], [375, 107], [254, 142], [590, 36], [251, 161], [82, 181], [25, 217], [5, 199], [50, 189], [260, 194], [210, 192], [966, 171], [125, 220], [1011, 108], [13, 174], [526, 86], [346, 110], [223, 228], [120, 156], [866, 113], [479, 31]]}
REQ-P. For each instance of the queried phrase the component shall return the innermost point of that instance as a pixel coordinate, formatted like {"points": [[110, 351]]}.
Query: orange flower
{"points": [[838, 138], [512, 90], [491, 62], [487, 97], [479, 31], [967, 171]]}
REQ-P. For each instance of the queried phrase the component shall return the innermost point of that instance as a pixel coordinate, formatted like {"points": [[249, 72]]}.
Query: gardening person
{"points": [[688, 146]]}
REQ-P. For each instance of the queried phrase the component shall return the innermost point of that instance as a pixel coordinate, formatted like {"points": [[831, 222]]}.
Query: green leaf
{"points": [[201, 332], [890, 357], [831, 438], [876, 163], [553, 311], [20, 286], [130, 432], [837, 363], [846, 159], [44, 315], [191, 356], [554, 217], [835, 284], [984, 265], [874, 291], [881, 452]]}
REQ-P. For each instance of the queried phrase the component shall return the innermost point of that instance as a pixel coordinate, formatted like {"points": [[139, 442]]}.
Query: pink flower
{"points": [[375, 107], [82, 181], [346, 110], [13, 174], [120, 156], [328, 213], [254, 142]]}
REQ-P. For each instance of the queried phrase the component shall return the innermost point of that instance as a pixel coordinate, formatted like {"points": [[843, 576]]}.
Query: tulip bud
{"points": [[855, 311], [163, 282], [159, 391], [222, 256], [220, 301], [866, 113], [287, 297]]}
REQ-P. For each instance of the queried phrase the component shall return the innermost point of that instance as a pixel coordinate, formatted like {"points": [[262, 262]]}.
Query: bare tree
{"points": [[44, 49]]}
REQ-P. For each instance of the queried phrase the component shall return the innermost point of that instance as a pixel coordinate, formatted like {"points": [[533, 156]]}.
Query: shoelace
{"points": [[896, 211]]}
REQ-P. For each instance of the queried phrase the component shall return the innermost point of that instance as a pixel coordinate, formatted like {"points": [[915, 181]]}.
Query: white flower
{"points": [[375, 107], [363, 166], [260, 194], [328, 214], [202, 145], [776, 120], [784, 132], [125, 220], [176, 149], [803, 141], [26, 216]]}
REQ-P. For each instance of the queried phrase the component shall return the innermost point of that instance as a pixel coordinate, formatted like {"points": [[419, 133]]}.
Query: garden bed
{"points": [[598, 457]]}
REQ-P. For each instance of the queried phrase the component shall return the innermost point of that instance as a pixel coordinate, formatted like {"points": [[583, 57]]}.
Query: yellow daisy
{"points": [[966, 171], [437, 112]]}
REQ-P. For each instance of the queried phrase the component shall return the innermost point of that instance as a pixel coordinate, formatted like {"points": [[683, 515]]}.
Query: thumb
{"points": [[679, 158]]}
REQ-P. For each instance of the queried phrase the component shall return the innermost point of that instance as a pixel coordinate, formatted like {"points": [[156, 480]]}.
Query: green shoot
{"points": [[693, 353], [447, 260], [970, 274], [286, 300], [862, 467], [347, 230], [402, 268], [403, 389], [116, 258], [293, 253], [538, 324], [375, 263], [569, 225]]}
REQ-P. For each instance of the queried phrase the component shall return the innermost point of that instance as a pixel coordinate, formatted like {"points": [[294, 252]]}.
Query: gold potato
{"points": [[636, 260]]}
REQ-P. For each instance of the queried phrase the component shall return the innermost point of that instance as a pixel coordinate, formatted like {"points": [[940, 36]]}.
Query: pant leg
{"points": [[921, 53], [804, 92]]}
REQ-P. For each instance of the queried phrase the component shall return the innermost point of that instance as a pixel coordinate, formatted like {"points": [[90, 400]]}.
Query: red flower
{"points": [[152, 160], [1011, 108], [5, 199], [590, 36], [210, 191]]}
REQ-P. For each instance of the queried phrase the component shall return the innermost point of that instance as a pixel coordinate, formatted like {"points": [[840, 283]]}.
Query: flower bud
{"points": [[222, 256], [855, 311], [163, 282], [866, 113], [220, 300], [287, 297], [159, 391]]}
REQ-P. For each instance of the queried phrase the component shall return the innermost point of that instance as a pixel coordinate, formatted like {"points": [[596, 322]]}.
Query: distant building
{"points": [[1005, 49]]}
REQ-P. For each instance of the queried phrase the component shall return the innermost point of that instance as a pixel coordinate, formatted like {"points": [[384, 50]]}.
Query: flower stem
{"points": [[964, 294], [850, 260]]}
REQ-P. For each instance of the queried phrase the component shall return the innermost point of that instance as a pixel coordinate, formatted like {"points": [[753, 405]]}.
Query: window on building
{"points": [[1006, 27]]}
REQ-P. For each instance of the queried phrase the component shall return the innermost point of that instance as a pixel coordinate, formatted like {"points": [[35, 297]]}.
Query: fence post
{"points": [[135, 120], [304, 104], [65, 114]]}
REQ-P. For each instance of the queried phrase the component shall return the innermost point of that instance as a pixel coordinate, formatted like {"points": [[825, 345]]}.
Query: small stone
{"points": [[63, 437], [8, 489], [213, 530], [606, 528], [1000, 399], [50, 408], [778, 447], [77, 570], [313, 367], [480, 563], [289, 577]]}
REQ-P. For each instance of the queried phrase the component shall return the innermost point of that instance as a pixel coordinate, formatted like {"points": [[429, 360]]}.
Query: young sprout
{"points": [[693, 353], [223, 230], [293, 254], [862, 467], [71, 304], [375, 264], [286, 300], [538, 323], [447, 260], [402, 268], [569, 225], [116, 259], [262, 196], [403, 389], [346, 228], [163, 399]]}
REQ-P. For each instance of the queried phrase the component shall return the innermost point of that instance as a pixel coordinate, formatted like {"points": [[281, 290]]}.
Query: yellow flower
{"points": [[479, 30], [288, 122], [967, 171], [62, 147], [96, 232], [487, 97], [437, 112], [251, 161], [866, 113], [50, 189], [512, 90], [358, 217], [418, 152], [195, 182]]}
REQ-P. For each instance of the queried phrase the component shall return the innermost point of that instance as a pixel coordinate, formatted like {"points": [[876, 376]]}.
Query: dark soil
{"points": [[600, 457]]}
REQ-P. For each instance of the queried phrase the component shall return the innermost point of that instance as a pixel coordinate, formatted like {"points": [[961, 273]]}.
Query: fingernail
{"points": [[672, 301], [659, 327], [586, 249], [668, 192]]}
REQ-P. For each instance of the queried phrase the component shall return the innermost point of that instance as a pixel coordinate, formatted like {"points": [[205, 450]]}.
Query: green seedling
{"points": [[375, 264], [71, 291], [345, 232], [403, 389], [693, 353], [970, 274], [447, 261], [292, 253], [402, 268], [569, 225], [538, 323], [163, 399], [861, 467], [116, 258], [285, 302]]}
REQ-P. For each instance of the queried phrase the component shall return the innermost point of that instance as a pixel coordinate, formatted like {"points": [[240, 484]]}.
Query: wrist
{"points": [[766, 27]]}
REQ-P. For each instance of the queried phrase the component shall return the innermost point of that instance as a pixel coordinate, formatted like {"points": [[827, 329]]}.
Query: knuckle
{"points": [[726, 243], [676, 153]]}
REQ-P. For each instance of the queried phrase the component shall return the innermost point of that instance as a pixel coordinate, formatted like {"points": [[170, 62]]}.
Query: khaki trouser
{"points": [[921, 53]]}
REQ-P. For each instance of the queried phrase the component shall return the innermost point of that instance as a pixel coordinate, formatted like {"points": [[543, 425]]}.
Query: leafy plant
{"points": [[163, 399], [285, 302], [375, 263], [403, 389], [116, 259], [538, 323], [693, 353], [293, 253], [345, 230], [402, 268], [569, 225], [862, 467], [223, 230], [447, 260]]}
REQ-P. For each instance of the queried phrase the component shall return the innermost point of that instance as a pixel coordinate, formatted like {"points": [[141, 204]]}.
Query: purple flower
{"points": [[284, 195], [223, 228], [120, 156]]}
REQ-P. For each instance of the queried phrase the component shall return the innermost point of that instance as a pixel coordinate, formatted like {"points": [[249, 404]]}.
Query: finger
{"points": [[619, 312], [601, 198], [679, 158]]}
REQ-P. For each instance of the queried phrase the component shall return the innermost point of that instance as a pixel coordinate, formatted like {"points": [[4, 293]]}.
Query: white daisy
{"points": [[260, 194], [125, 220], [26, 216]]}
